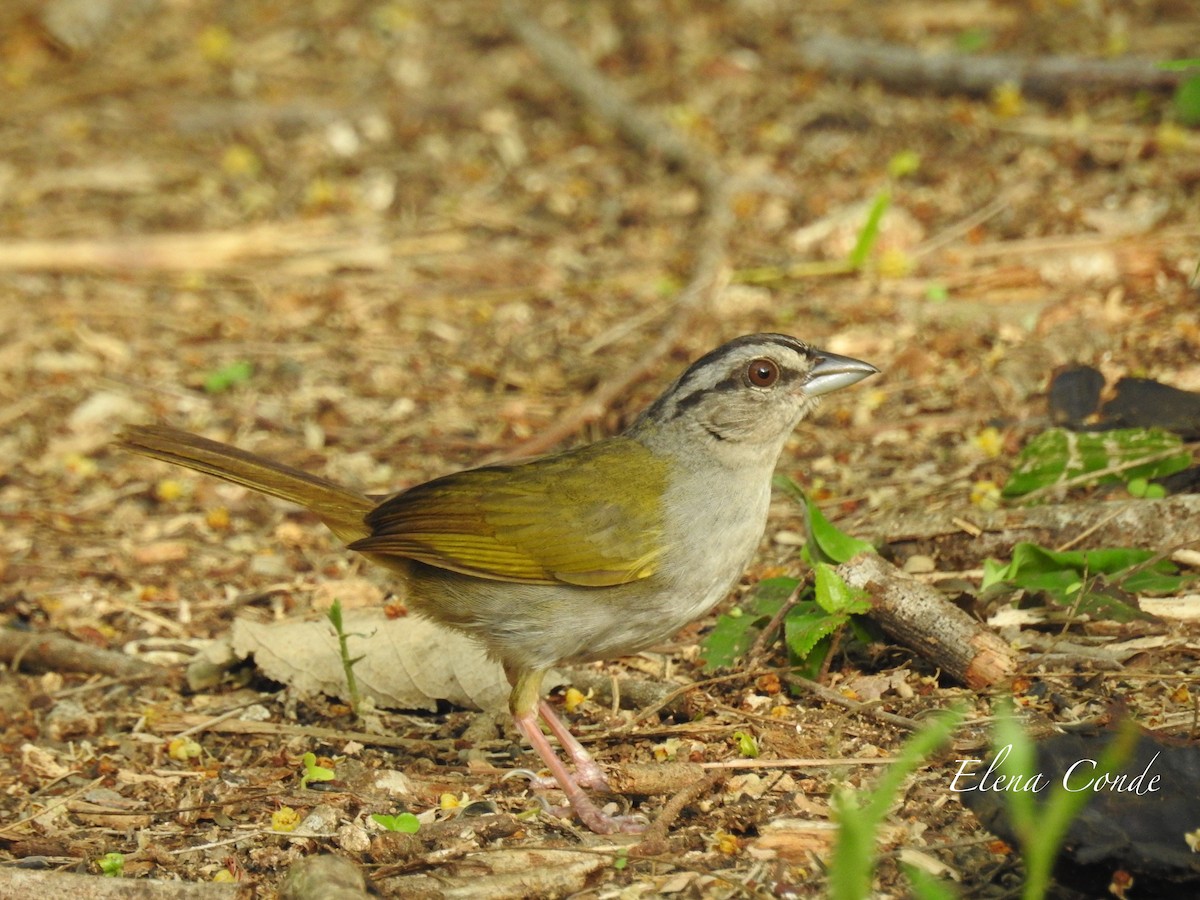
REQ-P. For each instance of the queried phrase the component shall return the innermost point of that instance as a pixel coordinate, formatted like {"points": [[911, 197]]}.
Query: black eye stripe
{"points": [[672, 404], [735, 382]]}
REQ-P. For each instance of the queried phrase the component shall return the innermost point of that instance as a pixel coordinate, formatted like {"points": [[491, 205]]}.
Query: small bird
{"points": [[593, 553]]}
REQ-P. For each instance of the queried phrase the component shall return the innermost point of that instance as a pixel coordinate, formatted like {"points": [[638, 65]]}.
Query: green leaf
{"points": [[903, 164], [852, 864], [1096, 582], [926, 886], [1179, 65], [112, 865], [1187, 102], [747, 745], [1041, 822], [806, 626], [735, 631], [973, 40], [835, 596], [869, 233], [937, 292], [1058, 455], [826, 543], [228, 377], [405, 823], [313, 772]]}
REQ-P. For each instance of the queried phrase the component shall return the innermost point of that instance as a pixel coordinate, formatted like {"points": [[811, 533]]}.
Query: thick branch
{"points": [[919, 617], [959, 538]]}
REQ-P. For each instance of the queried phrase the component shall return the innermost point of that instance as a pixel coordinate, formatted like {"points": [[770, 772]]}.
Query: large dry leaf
{"points": [[407, 663]]}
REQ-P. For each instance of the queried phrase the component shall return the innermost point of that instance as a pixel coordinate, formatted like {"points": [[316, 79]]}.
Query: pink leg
{"points": [[589, 814], [587, 771]]}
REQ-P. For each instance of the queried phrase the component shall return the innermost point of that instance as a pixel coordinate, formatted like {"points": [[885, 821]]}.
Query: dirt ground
{"points": [[382, 241]]}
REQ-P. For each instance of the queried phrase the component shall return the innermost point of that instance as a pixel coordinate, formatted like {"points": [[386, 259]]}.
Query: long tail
{"points": [[341, 509]]}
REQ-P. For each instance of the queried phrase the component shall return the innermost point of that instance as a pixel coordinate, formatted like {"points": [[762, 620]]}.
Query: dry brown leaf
{"points": [[408, 663]]}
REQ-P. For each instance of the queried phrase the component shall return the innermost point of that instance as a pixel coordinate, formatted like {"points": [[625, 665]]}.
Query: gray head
{"points": [[752, 390]]}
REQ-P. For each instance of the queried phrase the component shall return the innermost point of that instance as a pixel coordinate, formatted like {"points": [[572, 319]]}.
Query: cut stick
{"points": [[920, 618]]}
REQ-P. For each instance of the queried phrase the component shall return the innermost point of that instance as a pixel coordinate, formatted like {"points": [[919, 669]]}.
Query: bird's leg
{"points": [[587, 770], [524, 702]]}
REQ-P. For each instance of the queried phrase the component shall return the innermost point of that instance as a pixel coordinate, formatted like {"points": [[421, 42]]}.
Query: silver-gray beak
{"points": [[833, 372]]}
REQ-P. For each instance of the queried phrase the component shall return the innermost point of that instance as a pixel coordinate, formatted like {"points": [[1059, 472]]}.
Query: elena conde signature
{"points": [[1080, 776]]}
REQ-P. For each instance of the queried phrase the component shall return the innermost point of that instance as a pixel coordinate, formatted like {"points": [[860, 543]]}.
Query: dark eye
{"points": [[762, 372]]}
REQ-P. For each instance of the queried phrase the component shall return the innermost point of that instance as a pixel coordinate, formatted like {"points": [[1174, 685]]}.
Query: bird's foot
{"points": [[583, 807]]}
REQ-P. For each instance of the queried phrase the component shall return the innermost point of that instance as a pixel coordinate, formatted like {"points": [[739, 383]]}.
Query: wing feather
{"points": [[590, 516]]}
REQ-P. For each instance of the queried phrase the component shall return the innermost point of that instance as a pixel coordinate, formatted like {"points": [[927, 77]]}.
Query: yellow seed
{"points": [[284, 819], [1007, 100], [168, 490], [215, 44], [985, 495], [183, 749], [217, 518], [726, 843], [990, 441]]}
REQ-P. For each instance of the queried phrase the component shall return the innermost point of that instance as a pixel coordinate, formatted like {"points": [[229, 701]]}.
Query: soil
{"points": [[381, 241]]}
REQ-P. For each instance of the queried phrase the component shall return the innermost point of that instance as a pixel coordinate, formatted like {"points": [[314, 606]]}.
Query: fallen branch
{"points": [[959, 538], [919, 617], [655, 139], [58, 653], [906, 68], [314, 244], [69, 886]]}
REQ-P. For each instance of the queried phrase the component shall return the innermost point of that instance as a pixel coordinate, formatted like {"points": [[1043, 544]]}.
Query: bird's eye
{"points": [[762, 372]]}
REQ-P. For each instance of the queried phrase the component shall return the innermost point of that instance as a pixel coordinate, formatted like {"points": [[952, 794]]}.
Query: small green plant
{"points": [[404, 823], [112, 865], [348, 663], [1145, 490], [229, 376], [817, 611], [313, 772], [852, 864], [746, 744], [868, 235], [1041, 829], [1187, 102], [1101, 583]]}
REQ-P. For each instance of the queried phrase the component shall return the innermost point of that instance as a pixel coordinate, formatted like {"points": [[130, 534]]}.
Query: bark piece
{"points": [[919, 617]]}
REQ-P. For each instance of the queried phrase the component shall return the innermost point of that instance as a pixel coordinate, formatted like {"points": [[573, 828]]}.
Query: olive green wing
{"points": [[590, 516]]}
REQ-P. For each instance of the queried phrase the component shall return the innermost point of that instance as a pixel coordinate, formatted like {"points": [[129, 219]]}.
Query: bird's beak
{"points": [[833, 372]]}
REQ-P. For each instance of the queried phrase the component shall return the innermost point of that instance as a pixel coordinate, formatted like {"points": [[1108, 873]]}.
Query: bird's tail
{"points": [[341, 509]]}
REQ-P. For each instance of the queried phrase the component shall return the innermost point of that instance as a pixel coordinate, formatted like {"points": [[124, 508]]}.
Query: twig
{"points": [[656, 139], [758, 648], [199, 251], [605, 99], [866, 709], [798, 763], [906, 68], [56, 652], [921, 618], [683, 689], [654, 841]]}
